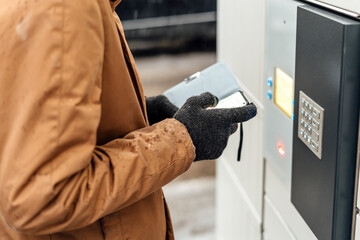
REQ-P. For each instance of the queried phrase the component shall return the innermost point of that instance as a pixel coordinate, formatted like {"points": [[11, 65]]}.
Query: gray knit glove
{"points": [[159, 108], [210, 129]]}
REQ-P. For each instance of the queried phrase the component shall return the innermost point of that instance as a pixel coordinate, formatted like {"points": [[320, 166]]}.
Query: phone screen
{"points": [[233, 101]]}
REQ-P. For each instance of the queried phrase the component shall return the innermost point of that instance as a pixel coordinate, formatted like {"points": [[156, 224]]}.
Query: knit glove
{"points": [[210, 129], [159, 108]]}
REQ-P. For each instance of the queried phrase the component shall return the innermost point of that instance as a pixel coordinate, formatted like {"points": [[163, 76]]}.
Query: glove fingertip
{"points": [[207, 99], [243, 114], [203, 100], [252, 110]]}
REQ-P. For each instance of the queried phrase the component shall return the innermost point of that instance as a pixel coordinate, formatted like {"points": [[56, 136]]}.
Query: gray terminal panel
{"points": [[327, 73], [310, 122], [280, 38]]}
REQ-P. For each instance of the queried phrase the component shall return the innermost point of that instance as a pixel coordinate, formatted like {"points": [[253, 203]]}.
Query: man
{"points": [[78, 157]]}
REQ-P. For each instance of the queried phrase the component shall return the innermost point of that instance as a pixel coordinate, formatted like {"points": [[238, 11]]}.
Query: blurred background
{"points": [[171, 40], [169, 26]]}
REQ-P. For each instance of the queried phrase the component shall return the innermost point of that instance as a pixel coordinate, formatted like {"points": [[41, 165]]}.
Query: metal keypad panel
{"points": [[311, 118]]}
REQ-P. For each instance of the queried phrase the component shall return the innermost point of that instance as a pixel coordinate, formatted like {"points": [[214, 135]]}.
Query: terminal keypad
{"points": [[311, 118]]}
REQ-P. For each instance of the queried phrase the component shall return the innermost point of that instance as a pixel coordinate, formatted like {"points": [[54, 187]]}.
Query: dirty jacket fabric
{"points": [[77, 157]]}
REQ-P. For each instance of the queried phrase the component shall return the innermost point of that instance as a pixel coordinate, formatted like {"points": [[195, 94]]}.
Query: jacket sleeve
{"points": [[53, 177]]}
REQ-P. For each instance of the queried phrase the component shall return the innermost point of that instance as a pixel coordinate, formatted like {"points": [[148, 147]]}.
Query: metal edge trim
{"points": [[335, 8]]}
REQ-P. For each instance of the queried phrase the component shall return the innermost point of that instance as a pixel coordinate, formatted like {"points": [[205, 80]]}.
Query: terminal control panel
{"points": [[326, 121], [279, 72], [311, 118]]}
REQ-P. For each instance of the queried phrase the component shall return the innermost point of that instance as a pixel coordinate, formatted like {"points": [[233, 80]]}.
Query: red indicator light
{"points": [[281, 149]]}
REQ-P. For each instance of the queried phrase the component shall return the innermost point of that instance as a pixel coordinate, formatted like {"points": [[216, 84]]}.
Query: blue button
{"points": [[269, 82], [293, 117], [269, 94], [293, 102]]}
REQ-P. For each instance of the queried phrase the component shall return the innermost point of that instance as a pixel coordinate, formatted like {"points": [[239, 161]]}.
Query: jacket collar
{"points": [[114, 3]]}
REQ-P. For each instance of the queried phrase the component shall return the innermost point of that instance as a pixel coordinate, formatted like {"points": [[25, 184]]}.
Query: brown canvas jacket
{"points": [[77, 157]]}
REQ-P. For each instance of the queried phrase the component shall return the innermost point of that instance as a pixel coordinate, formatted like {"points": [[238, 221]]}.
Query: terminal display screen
{"points": [[284, 92]]}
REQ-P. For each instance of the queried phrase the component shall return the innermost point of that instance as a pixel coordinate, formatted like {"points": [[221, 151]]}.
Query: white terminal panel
{"points": [[311, 118], [357, 227]]}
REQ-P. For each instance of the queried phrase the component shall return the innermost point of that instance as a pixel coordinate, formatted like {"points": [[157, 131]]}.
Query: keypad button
{"points": [[314, 146], [309, 140], [310, 107], [301, 132], [305, 136], [309, 129], [306, 115], [307, 104], [310, 118], [303, 112], [315, 124], [302, 122], [316, 113], [315, 136], [305, 125], [303, 101]]}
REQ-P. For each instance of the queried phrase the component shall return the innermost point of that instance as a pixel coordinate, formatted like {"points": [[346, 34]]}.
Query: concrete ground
{"points": [[192, 207], [191, 197]]}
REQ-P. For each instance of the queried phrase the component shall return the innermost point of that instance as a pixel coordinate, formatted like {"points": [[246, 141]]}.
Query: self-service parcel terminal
{"points": [[309, 110]]}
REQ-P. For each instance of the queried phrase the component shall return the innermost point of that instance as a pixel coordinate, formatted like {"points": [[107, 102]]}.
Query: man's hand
{"points": [[210, 129], [159, 108]]}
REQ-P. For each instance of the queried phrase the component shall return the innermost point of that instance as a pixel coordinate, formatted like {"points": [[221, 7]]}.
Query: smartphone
{"points": [[235, 100]]}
